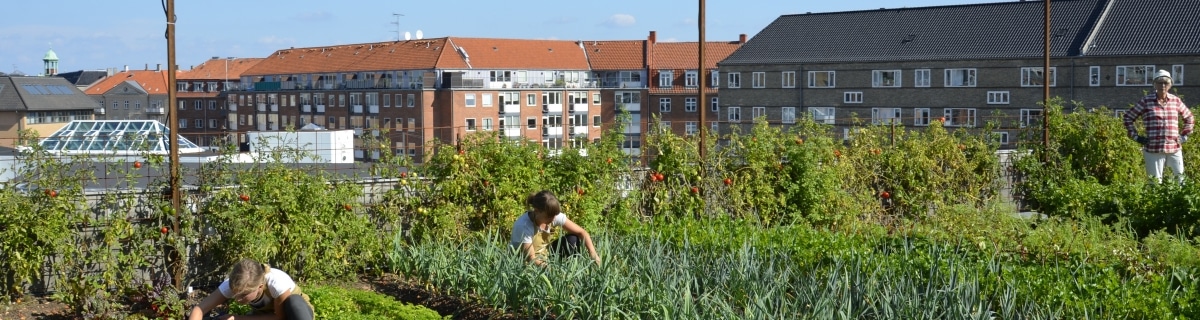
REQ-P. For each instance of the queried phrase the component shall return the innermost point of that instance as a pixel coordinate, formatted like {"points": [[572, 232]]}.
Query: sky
{"points": [[95, 35]]}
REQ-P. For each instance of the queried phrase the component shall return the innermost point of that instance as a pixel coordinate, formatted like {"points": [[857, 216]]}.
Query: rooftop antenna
{"points": [[397, 23]]}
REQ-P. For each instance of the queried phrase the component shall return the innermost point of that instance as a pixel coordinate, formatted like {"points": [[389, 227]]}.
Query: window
{"points": [[789, 79], [470, 124], [341, 100], [714, 106], [137, 105], [182, 87], [212, 105], [690, 128], [921, 116], [664, 104], [788, 115], [412, 100], [531, 99], [196, 104], [960, 77], [387, 100], [735, 114], [852, 97], [716, 127], [241, 119], [552, 98], [1000, 137], [885, 78], [822, 114], [578, 120], [885, 115], [758, 112], [412, 124], [1033, 77], [355, 99], [689, 104], [531, 123], [127, 105], [212, 123], [691, 79], [1031, 118], [960, 117], [510, 99], [510, 122], [628, 97], [596, 98], [1134, 75], [921, 78], [821, 79], [500, 76], [183, 123], [735, 80], [665, 126], [1177, 74], [1094, 76], [596, 121], [487, 124], [716, 78], [470, 100], [665, 77], [487, 99], [758, 79], [997, 97]]}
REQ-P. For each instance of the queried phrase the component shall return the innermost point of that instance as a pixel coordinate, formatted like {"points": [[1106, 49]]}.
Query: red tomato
{"points": [[164, 230], [728, 181], [137, 164], [244, 197], [348, 207], [885, 195], [695, 190]]}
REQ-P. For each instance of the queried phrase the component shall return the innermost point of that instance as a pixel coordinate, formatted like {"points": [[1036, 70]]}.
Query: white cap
{"points": [[1162, 73]]}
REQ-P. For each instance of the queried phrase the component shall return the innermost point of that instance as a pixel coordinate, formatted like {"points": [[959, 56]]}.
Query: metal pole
{"points": [[1046, 84], [173, 141], [700, 74]]}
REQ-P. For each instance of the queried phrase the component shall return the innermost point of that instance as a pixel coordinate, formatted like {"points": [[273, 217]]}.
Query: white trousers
{"points": [[1155, 163]]}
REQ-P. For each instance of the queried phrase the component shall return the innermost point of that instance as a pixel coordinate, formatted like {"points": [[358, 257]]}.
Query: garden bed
{"points": [[391, 285]]}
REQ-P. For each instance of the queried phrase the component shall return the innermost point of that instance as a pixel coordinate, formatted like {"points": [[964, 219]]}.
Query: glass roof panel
{"points": [[114, 136]]}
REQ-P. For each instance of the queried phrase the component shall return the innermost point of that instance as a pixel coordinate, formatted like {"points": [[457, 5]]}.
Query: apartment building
{"points": [[970, 64], [41, 104], [131, 95], [204, 114]]}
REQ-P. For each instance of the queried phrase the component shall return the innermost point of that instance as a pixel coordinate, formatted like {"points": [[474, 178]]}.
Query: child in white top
{"points": [[269, 291], [531, 232]]}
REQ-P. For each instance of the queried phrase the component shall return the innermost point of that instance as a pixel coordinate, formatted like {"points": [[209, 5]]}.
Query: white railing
{"points": [[511, 109], [232, 107], [552, 108], [262, 107], [306, 108], [373, 109], [356, 108], [579, 130], [579, 107], [513, 132], [320, 108]]}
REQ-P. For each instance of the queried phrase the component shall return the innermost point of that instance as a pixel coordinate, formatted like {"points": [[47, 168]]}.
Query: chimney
{"points": [[126, 68], [147, 67], [653, 37], [742, 38], [157, 66]]}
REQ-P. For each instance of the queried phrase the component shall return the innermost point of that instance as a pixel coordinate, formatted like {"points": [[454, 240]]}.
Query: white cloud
{"points": [[620, 20]]}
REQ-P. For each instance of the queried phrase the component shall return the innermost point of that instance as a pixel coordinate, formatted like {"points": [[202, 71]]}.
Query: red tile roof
{"points": [[426, 54], [616, 55], [217, 69], [486, 53], [153, 81], [682, 55]]}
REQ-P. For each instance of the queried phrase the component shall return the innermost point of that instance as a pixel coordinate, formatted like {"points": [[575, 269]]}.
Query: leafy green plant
{"points": [[340, 303]]}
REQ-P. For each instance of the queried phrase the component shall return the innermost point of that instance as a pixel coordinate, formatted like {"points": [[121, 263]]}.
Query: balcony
{"points": [[159, 110], [233, 107], [262, 107], [512, 108], [459, 80], [373, 109], [579, 107], [631, 107], [320, 109], [98, 110], [356, 109], [552, 108], [579, 131], [267, 86], [552, 131], [512, 131], [306, 108], [274, 107]]}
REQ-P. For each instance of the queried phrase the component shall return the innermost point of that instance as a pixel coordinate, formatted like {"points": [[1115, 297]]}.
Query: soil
{"points": [[392, 285]]}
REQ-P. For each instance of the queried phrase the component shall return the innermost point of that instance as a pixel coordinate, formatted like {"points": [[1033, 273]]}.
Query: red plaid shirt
{"points": [[1161, 121]]}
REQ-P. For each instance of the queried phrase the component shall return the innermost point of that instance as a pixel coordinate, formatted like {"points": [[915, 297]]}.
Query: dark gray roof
{"points": [[84, 77], [50, 93], [975, 31], [1162, 27]]}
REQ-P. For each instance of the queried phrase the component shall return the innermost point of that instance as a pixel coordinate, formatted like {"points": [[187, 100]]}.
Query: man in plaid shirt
{"points": [[1161, 113]]}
